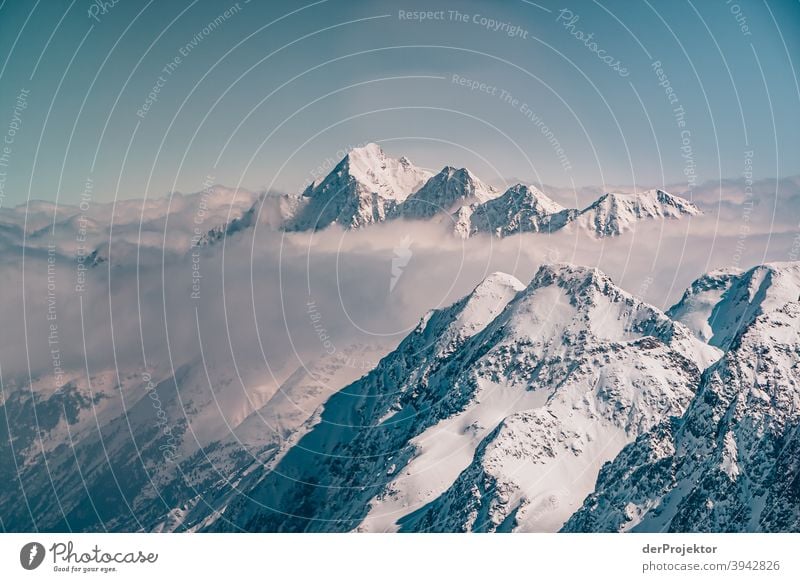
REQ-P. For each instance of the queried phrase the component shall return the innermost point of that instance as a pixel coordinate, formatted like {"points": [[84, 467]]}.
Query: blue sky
{"points": [[263, 95]]}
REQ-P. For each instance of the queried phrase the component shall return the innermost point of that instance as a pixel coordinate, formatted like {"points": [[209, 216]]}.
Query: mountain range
{"points": [[730, 463], [368, 187], [365, 188], [494, 414], [564, 404]]}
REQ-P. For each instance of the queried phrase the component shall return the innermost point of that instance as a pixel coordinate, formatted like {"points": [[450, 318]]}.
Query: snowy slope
{"points": [[520, 209], [526, 209], [369, 187], [363, 188], [436, 340], [456, 429], [528, 471], [447, 190], [756, 291], [614, 213], [697, 304], [731, 462]]}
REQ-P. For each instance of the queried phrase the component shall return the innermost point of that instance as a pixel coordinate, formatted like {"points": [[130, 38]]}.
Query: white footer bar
{"points": [[389, 557]]}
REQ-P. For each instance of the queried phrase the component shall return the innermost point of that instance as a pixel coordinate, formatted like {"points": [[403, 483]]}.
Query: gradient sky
{"points": [[277, 89]]}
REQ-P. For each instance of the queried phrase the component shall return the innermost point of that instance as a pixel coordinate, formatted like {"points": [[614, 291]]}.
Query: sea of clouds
{"points": [[267, 302]]}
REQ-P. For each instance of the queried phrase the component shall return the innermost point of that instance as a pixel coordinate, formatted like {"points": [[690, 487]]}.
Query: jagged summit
{"points": [[614, 213], [569, 274], [585, 303], [698, 301], [363, 188], [720, 305], [533, 197], [368, 186], [378, 173], [486, 301], [730, 463], [449, 189], [482, 409], [520, 209]]}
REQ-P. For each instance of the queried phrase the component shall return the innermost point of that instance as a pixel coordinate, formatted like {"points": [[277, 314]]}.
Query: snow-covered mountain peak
{"points": [[448, 327], [720, 274], [364, 188], [465, 176], [652, 198], [586, 304], [375, 172], [614, 212], [486, 301], [759, 290], [529, 196], [471, 421], [448, 190], [497, 281], [567, 307], [720, 304], [570, 276], [670, 200], [368, 186], [521, 208], [584, 287], [698, 301], [367, 165], [370, 151], [524, 208], [730, 462]]}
